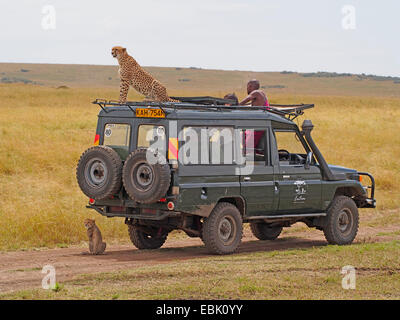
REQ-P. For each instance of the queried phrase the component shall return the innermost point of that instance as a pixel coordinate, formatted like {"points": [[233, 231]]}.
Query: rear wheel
{"points": [[143, 240], [341, 221], [263, 231], [223, 229]]}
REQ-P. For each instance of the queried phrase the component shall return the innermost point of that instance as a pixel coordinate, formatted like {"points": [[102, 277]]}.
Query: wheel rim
{"points": [[345, 221], [227, 230], [96, 173], [143, 176]]}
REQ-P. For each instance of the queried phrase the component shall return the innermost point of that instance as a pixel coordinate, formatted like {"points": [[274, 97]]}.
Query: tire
{"points": [[99, 172], [263, 231], [143, 241], [341, 221], [145, 182], [223, 229]]}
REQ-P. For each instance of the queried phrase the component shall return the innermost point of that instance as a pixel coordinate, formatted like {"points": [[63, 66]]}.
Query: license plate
{"points": [[149, 113]]}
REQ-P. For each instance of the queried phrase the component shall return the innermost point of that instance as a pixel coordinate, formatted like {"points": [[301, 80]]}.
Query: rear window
{"points": [[117, 134], [151, 135]]}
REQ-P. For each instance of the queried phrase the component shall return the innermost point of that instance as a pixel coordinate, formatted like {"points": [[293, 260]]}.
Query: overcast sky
{"points": [[258, 35]]}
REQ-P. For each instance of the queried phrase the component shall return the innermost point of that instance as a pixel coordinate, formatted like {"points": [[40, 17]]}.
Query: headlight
{"points": [[354, 176]]}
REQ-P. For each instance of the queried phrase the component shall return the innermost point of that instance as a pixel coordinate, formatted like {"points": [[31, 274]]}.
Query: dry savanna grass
{"points": [[44, 130], [200, 81]]}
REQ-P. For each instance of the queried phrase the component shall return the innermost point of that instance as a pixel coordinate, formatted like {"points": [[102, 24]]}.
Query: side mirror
{"points": [[308, 160]]}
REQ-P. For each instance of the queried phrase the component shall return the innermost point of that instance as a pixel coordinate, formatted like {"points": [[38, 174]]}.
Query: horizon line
{"points": [[201, 68]]}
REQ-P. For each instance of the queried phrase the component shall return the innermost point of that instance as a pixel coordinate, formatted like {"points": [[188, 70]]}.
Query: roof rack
{"points": [[206, 100], [288, 111]]}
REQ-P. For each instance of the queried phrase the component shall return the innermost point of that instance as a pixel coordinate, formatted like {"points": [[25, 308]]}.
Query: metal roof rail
{"points": [[289, 111]]}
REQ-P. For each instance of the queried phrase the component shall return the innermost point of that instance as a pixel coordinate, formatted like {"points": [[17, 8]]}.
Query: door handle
{"points": [[276, 187], [246, 179]]}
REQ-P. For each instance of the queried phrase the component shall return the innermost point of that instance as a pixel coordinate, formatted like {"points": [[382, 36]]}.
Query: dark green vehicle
{"points": [[205, 167]]}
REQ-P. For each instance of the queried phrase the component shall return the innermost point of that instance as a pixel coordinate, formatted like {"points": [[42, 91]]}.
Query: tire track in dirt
{"points": [[22, 269]]}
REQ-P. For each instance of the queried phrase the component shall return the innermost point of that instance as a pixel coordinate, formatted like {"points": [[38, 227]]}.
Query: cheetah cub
{"points": [[131, 73], [96, 244]]}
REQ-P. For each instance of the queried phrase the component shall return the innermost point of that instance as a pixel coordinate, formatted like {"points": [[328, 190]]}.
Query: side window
{"points": [[116, 134], [290, 148], [208, 145], [254, 146], [150, 135], [195, 146], [220, 141]]}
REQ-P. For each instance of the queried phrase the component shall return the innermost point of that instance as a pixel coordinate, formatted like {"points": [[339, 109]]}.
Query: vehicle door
{"points": [[299, 186], [257, 173]]}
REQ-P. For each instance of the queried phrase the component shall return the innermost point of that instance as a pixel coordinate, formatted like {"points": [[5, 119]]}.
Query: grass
{"points": [[393, 233], [200, 81], [312, 273], [44, 130]]}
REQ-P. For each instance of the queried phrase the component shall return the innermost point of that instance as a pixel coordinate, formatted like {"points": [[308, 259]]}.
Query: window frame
{"points": [[267, 148], [154, 125], [301, 140], [207, 127], [129, 135]]}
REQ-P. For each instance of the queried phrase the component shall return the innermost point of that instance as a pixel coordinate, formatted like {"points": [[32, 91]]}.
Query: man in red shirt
{"points": [[256, 96]]}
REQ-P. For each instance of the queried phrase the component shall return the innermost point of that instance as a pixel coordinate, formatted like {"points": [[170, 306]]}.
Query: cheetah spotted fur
{"points": [[132, 74]]}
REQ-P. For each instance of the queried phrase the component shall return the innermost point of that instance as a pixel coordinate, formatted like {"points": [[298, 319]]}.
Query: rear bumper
{"points": [[137, 213], [370, 201]]}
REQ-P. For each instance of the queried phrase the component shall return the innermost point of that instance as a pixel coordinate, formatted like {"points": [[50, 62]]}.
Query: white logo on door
{"points": [[300, 191]]}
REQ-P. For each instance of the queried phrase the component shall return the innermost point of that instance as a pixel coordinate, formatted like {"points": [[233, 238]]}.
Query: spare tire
{"points": [[145, 182], [99, 172]]}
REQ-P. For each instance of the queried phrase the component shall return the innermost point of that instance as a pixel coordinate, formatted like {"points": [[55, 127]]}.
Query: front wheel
{"points": [[223, 229], [142, 240], [341, 221]]}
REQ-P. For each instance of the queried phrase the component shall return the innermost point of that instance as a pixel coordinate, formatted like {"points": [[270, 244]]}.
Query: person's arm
{"points": [[248, 99]]}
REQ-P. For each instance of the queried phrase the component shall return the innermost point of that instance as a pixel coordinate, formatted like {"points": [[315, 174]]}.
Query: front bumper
{"points": [[370, 201]]}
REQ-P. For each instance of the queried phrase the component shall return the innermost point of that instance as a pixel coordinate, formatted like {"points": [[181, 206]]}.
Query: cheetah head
{"points": [[118, 52], [89, 223]]}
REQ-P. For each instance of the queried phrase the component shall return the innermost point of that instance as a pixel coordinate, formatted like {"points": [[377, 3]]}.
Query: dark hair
{"points": [[232, 96]]}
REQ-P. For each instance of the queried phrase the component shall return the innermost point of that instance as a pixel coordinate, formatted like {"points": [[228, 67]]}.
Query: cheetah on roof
{"points": [[131, 73]]}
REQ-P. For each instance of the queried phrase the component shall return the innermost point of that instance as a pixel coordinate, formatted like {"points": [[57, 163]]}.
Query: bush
{"points": [[16, 80]]}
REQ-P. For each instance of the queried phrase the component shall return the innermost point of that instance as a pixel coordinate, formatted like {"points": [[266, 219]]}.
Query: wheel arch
{"points": [[352, 192], [237, 201]]}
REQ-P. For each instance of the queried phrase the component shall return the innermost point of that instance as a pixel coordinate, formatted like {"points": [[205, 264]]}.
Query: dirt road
{"points": [[22, 269]]}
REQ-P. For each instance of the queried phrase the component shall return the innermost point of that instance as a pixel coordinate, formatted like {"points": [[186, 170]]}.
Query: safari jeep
{"points": [[206, 167]]}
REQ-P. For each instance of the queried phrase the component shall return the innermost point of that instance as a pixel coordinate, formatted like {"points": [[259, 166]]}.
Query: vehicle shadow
{"points": [[166, 254]]}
